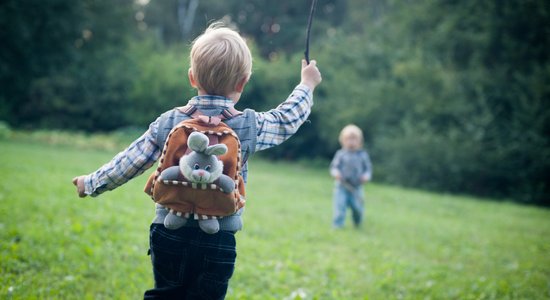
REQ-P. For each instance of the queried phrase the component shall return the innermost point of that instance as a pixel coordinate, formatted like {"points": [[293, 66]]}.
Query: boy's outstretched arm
{"points": [[127, 164]]}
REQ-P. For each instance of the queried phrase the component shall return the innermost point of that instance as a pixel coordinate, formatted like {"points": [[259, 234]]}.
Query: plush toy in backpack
{"points": [[201, 166]]}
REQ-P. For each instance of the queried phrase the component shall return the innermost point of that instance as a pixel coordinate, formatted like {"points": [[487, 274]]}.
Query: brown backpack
{"points": [[205, 201]]}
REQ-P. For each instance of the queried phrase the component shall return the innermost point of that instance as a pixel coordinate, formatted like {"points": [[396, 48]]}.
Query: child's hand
{"points": [[310, 74], [79, 183], [335, 174], [364, 179]]}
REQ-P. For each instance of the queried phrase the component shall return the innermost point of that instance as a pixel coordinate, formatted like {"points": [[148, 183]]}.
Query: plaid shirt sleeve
{"points": [[129, 163], [277, 125]]}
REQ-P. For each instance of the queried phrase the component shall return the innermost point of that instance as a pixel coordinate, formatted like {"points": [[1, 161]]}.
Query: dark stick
{"points": [[309, 20]]}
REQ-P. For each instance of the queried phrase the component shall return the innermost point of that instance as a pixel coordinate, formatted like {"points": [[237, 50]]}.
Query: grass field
{"points": [[414, 245]]}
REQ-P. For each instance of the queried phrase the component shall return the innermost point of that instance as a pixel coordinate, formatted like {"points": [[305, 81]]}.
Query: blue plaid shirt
{"points": [[273, 127]]}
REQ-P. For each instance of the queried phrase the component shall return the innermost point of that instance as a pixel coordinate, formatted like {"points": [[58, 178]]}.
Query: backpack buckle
{"points": [[209, 120]]}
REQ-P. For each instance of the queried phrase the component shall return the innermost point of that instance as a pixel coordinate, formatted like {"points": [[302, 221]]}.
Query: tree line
{"points": [[452, 95]]}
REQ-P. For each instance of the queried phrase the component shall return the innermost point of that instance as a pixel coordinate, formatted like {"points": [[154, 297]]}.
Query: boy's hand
{"points": [[310, 74], [79, 183]]}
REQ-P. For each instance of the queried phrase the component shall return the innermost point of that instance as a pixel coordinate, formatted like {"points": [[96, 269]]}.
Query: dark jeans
{"points": [[190, 264]]}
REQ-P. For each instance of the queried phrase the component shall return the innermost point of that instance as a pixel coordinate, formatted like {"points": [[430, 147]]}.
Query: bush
{"points": [[5, 130]]}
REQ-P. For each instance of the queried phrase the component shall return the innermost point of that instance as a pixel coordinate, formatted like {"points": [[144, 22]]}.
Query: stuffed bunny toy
{"points": [[201, 166]]}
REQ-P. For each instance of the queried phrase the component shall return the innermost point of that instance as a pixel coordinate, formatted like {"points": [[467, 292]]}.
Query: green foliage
{"points": [[5, 130], [414, 245], [112, 141], [159, 84], [62, 53], [451, 95], [274, 26], [32, 51]]}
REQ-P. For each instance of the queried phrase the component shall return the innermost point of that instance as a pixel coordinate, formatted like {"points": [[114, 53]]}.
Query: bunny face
{"points": [[201, 168], [202, 165]]}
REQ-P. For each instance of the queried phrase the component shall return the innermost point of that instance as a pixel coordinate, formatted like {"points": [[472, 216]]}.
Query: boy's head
{"points": [[220, 61], [351, 137]]}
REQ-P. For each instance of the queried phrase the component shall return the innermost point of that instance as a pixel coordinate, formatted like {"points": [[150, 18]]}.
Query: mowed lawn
{"points": [[413, 245]]}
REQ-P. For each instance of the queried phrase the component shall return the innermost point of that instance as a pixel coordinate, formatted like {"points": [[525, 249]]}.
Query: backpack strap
{"points": [[188, 109], [193, 112], [226, 114], [231, 112]]}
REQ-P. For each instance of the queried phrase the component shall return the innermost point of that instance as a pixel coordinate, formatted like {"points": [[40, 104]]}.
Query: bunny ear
{"points": [[217, 149], [197, 141]]}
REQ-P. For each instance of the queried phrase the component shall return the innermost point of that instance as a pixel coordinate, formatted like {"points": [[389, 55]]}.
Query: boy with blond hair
{"points": [[351, 168], [187, 262]]}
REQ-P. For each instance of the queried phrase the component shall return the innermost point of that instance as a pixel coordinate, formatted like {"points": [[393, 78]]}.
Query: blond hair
{"points": [[351, 131], [219, 59]]}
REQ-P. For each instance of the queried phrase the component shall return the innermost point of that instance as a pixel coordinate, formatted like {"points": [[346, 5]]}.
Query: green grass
{"points": [[414, 245]]}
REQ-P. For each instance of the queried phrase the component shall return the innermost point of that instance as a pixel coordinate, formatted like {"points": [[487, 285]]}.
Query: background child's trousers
{"points": [[344, 198], [191, 264]]}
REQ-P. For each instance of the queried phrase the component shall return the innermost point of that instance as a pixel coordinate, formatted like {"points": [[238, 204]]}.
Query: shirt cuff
{"points": [[88, 186]]}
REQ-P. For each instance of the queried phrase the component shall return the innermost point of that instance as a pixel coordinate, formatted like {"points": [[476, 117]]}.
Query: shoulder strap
{"points": [[226, 114], [188, 109], [231, 112]]}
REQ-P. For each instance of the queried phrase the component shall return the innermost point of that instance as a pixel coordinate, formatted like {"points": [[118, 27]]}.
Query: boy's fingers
{"points": [[312, 63], [79, 189]]}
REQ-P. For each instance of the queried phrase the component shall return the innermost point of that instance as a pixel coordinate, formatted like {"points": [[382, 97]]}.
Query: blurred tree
{"points": [[64, 58], [186, 16], [275, 26], [38, 39]]}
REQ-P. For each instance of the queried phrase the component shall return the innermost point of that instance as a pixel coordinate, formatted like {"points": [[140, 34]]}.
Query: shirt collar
{"points": [[211, 101]]}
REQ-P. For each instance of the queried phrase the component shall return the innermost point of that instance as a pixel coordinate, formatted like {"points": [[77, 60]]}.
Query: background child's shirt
{"points": [[352, 165]]}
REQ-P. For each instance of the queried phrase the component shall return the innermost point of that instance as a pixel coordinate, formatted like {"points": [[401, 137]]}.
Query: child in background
{"points": [[351, 168], [187, 262]]}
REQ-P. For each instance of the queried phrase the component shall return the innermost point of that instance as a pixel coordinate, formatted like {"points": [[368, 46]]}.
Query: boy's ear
{"points": [[239, 88], [192, 80]]}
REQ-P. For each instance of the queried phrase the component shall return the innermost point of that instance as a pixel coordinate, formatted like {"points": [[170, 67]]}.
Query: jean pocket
{"points": [[217, 273]]}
